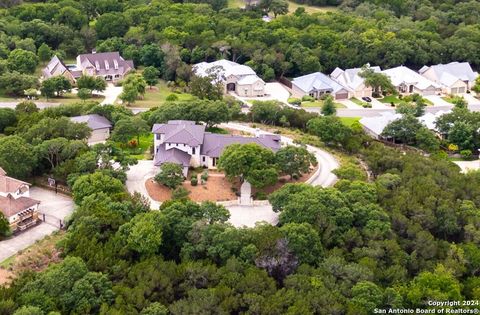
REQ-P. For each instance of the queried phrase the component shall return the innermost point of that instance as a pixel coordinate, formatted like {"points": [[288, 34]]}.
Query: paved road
{"points": [[467, 166], [55, 207]]}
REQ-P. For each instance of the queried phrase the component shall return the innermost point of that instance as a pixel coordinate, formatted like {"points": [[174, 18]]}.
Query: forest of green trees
{"points": [[408, 233]]}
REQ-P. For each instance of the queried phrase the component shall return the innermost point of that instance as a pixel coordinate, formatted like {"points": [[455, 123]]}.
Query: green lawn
{"points": [[349, 121], [389, 99], [71, 98], [448, 99], [292, 6], [319, 103], [142, 151], [158, 95], [357, 101]]}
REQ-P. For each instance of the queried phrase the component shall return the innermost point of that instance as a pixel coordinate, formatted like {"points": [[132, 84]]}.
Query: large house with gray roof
{"points": [[407, 81], [454, 77], [188, 144], [234, 77], [317, 84], [108, 65]]}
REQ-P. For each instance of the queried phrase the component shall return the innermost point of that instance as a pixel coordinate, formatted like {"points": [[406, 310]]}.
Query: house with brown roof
{"points": [[20, 210], [188, 144], [108, 65]]}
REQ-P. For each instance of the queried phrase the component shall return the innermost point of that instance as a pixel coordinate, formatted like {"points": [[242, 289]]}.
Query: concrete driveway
{"points": [[438, 101], [137, 176], [111, 94], [274, 90], [55, 207], [467, 166], [471, 100], [349, 104]]}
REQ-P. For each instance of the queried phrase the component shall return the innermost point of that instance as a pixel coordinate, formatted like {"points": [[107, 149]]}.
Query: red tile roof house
{"points": [[183, 142], [20, 210], [108, 65]]}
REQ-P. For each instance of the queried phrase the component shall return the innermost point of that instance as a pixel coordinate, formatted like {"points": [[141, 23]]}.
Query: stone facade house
{"points": [[350, 79], [317, 84], [234, 77], [407, 81]]}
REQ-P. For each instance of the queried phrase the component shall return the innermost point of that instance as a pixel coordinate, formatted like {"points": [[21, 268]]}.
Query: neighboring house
{"points": [[350, 79], [317, 84], [185, 143], [56, 67], [236, 78], [20, 210], [100, 127], [108, 65], [454, 77], [407, 81], [374, 126]]}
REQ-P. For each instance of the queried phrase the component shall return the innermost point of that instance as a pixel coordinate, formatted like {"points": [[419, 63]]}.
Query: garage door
{"points": [[428, 92], [454, 90], [461, 90], [341, 96]]}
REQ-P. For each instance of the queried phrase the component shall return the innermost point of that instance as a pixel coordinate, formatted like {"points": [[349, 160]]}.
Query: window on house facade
{"points": [[193, 150], [115, 64], [158, 136], [107, 65], [97, 65], [203, 159]]}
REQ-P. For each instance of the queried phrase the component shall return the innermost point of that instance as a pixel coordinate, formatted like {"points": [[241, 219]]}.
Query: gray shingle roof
{"points": [[94, 121], [214, 144], [317, 81], [172, 155], [181, 131], [107, 58]]}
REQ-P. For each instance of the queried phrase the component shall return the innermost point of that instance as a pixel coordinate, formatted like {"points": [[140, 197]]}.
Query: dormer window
{"points": [[107, 66], [97, 65], [115, 64]]}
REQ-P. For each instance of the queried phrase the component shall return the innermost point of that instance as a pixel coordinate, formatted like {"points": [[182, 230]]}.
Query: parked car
{"points": [[367, 99]]}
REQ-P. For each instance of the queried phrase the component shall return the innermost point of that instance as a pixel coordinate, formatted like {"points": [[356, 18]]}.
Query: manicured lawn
{"points": [[389, 99], [140, 152], [319, 103], [349, 121], [157, 95], [70, 98], [357, 101], [448, 99]]}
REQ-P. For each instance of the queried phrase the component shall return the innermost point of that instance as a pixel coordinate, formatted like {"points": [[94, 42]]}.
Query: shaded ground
{"points": [[35, 258]]}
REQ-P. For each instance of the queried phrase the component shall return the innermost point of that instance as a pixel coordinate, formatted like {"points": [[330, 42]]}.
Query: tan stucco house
{"points": [[349, 78], [454, 77], [407, 81], [317, 84]]}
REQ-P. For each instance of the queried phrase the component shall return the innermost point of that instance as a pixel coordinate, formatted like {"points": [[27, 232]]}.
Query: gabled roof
{"points": [[54, 67], [9, 184], [225, 67], [378, 123], [350, 77], [94, 121], [103, 60], [214, 144], [317, 81], [461, 70], [172, 155], [403, 75], [181, 131], [10, 206]]}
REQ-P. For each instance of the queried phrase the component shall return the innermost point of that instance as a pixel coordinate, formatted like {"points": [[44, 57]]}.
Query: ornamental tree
{"points": [[294, 161], [170, 175]]}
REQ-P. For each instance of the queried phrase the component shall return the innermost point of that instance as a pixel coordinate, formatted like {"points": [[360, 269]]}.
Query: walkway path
{"points": [[137, 175], [111, 94]]}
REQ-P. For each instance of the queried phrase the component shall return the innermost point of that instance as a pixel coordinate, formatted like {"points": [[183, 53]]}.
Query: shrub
{"points": [[180, 194], [366, 105], [194, 181], [132, 143], [466, 154], [294, 101], [308, 98], [172, 97], [204, 176]]}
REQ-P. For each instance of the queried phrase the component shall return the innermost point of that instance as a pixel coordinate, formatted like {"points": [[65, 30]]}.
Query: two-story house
{"points": [[20, 210], [188, 144]]}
